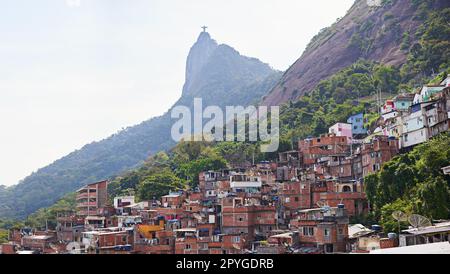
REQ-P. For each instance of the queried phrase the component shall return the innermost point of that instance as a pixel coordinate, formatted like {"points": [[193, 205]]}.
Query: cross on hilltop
{"points": [[204, 28]]}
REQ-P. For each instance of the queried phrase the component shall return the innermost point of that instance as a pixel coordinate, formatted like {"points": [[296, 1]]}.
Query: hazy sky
{"points": [[77, 71]]}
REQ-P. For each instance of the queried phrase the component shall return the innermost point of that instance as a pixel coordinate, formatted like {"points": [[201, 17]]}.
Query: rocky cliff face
{"points": [[216, 73], [219, 74], [371, 30], [198, 56]]}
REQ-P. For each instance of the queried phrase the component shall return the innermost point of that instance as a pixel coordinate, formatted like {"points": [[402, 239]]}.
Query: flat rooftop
{"points": [[434, 248]]}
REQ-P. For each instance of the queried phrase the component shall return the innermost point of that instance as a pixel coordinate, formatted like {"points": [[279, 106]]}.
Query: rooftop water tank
{"points": [[392, 235], [341, 206]]}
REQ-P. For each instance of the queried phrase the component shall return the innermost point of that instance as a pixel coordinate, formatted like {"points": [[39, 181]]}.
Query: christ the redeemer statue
{"points": [[204, 28]]}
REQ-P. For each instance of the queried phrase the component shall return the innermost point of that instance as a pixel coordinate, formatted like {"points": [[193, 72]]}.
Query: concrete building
{"points": [[357, 122], [439, 232], [403, 101], [91, 198], [342, 129]]}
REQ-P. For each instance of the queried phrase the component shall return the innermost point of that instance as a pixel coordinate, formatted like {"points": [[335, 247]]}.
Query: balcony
{"points": [[87, 204], [85, 195]]}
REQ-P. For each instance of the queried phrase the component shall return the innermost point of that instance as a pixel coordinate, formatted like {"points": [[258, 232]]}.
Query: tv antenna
{"points": [[418, 221]]}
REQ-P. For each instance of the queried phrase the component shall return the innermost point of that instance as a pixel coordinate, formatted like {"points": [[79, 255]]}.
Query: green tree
{"points": [[434, 198], [370, 188], [3, 236], [191, 170], [159, 184]]}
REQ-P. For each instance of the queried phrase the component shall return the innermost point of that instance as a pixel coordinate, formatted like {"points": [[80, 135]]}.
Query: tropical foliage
{"points": [[412, 182]]}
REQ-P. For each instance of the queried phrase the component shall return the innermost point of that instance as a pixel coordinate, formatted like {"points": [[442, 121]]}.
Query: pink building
{"points": [[342, 129]]}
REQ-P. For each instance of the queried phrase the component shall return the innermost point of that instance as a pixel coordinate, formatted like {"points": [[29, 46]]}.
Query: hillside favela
{"points": [[358, 126]]}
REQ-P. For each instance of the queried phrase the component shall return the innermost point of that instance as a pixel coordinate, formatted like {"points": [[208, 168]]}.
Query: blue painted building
{"points": [[357, 122]]}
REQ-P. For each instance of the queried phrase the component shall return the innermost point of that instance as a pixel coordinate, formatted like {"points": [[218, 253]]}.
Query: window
{"points": [[188, 246], [296, 199], [288, 199], [236, 239], [346, 189], [326, 232], [308, 231]]}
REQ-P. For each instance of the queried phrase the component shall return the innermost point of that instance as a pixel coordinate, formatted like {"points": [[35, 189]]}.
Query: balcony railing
{"points": [[85, 195], [86, 204]]}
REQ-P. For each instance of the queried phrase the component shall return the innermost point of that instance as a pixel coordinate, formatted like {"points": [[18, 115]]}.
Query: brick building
{"points": [[326, 145], [378, 151], [323, 228]]}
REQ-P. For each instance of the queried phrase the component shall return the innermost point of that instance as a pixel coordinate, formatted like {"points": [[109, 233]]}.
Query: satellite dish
{"points": [[418, 221], [73, 248], [400, 216]]}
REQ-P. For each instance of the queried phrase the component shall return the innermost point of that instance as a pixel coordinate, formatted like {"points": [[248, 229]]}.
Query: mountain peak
{"points": [[198, 56], [204, 36]]}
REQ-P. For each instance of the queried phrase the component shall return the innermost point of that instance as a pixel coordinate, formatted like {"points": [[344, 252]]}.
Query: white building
{"points": [[245, 182], [415, 129]]}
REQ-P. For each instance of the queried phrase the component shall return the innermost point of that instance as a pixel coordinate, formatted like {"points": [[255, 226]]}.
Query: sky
{"points": [[77, 71]]}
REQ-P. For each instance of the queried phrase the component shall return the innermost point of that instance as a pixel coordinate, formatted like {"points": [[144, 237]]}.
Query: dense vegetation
{"points": [[46, 217], [413, 183], [3, 236], [431, 53], [5, 225], [162, 173]]}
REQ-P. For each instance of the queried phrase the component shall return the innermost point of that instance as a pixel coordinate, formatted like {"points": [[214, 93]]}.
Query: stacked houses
{"points": [[302, 203]]}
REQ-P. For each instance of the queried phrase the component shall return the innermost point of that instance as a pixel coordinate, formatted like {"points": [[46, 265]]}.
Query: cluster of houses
{"points": [[302, 203]]}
